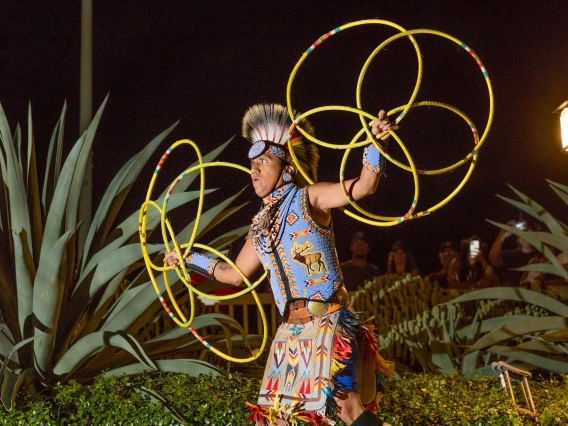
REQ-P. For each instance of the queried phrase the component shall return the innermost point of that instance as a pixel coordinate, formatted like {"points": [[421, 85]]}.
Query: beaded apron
{"points": [[299, 368]]}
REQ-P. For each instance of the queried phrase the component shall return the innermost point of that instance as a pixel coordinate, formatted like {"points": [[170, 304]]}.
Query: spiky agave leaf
{"points": [[180, 340], [25, 275], [534, 209], [53, 167], [517, 294], [491, 324], [18, 216], [120, 185], [560, 190], [34, 198], [546, 361], [11, 381], [560, 336], [193, 367], [47, 300], [518, 329]]}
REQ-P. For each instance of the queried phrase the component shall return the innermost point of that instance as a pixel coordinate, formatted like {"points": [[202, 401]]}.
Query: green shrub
{"points": [[418, 399], [109, 401], [551, 399], [422, 399], [29, 412], [451, 399], [207, 400]]}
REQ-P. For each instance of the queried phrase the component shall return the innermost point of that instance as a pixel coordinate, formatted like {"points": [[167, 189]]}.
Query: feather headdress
{"points": [[271, 122]]}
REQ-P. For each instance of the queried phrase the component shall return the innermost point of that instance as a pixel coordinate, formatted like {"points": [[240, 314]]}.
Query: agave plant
{"points": [[537, 342], [420, 329], [532, 332], [535, 336], [407, 318], [67, 310], [534, 341], [556, 238]]}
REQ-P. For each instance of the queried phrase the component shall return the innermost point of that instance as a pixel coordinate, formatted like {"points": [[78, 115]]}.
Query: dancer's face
{"points": [[266, 174]]}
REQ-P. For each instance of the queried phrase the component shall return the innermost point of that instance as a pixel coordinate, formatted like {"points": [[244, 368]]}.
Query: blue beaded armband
{"points": [[372, 159], [201, 264]]}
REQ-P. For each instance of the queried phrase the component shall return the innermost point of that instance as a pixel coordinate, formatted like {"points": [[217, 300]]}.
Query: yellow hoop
{"points": [[167, 231]]}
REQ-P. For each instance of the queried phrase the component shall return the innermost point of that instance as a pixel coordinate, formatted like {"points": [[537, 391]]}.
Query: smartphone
{"points": [[522, 225], [474, 246]]}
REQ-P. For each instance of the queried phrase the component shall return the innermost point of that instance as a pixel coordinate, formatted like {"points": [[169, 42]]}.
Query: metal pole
{"points": [[531, 402], [510, 387], [85, 115], [86, 93]]}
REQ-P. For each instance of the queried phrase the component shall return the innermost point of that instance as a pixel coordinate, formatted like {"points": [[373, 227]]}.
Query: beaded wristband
{"points": [[202, 264], [372, 159]]}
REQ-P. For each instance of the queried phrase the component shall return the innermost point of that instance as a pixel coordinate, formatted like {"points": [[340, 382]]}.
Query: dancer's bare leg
{"points": [[350, 407]]}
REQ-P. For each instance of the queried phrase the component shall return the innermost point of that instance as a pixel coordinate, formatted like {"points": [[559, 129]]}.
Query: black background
{"points": [[205, 62]]}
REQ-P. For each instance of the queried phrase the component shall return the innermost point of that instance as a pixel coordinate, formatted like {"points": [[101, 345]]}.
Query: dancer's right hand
{"points": [[171, 258]]}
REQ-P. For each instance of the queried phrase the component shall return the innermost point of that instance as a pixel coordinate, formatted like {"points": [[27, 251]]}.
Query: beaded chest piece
{"points": [[290, 242]]}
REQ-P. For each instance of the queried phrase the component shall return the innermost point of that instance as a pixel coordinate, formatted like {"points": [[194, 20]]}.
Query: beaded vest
{"points": [[290, 242]]}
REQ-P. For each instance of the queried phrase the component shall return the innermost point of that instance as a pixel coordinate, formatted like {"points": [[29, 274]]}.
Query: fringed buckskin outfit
{"points": [[321, 349]]}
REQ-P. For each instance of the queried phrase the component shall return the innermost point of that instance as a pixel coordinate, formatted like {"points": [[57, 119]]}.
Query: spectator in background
{"points": [[401, 261], [357, 270], [451, 263], [477, 268], [505, 260], [535, 279]]}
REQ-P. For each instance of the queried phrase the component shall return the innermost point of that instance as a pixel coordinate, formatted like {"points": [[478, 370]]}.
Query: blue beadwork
{"points": [[305, 249], [202, 264], [372, 159]]}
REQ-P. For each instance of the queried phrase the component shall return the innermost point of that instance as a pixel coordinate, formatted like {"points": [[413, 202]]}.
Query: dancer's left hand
{"points": [[381, 124]]}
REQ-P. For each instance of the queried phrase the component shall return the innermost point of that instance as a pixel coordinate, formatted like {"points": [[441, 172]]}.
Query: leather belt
{"points": [[302, 315], [301, 311]]}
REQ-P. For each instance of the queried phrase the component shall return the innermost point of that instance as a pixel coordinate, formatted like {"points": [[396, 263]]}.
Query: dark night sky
{"points": [[205, 62]]}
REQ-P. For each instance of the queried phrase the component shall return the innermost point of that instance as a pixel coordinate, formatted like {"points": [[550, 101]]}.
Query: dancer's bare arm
{"points": [[328, 195], [247, 261]]}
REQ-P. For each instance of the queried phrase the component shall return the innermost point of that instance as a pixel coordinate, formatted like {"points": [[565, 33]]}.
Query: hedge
{"points": [[418, 399]]}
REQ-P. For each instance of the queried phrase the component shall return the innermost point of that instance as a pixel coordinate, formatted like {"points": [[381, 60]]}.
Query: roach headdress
{"points": [[266, 126]]}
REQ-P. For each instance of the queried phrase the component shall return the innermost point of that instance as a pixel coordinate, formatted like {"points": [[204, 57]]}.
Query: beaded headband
{"points": [[260, 147]]}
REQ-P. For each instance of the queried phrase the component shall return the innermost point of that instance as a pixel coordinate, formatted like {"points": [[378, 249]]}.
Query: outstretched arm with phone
{"points": [[476, 255], [495, 252]]}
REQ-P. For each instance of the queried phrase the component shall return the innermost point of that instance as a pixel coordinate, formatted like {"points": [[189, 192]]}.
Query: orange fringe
{"points": [[383, 366], [259, 416]]}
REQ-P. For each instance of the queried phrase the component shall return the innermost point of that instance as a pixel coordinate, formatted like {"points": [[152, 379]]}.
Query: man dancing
{"points": [[323, 362]]}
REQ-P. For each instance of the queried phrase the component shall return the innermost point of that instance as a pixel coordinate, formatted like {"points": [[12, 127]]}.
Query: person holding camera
{"points": [[507, 259], [477, 268]]}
